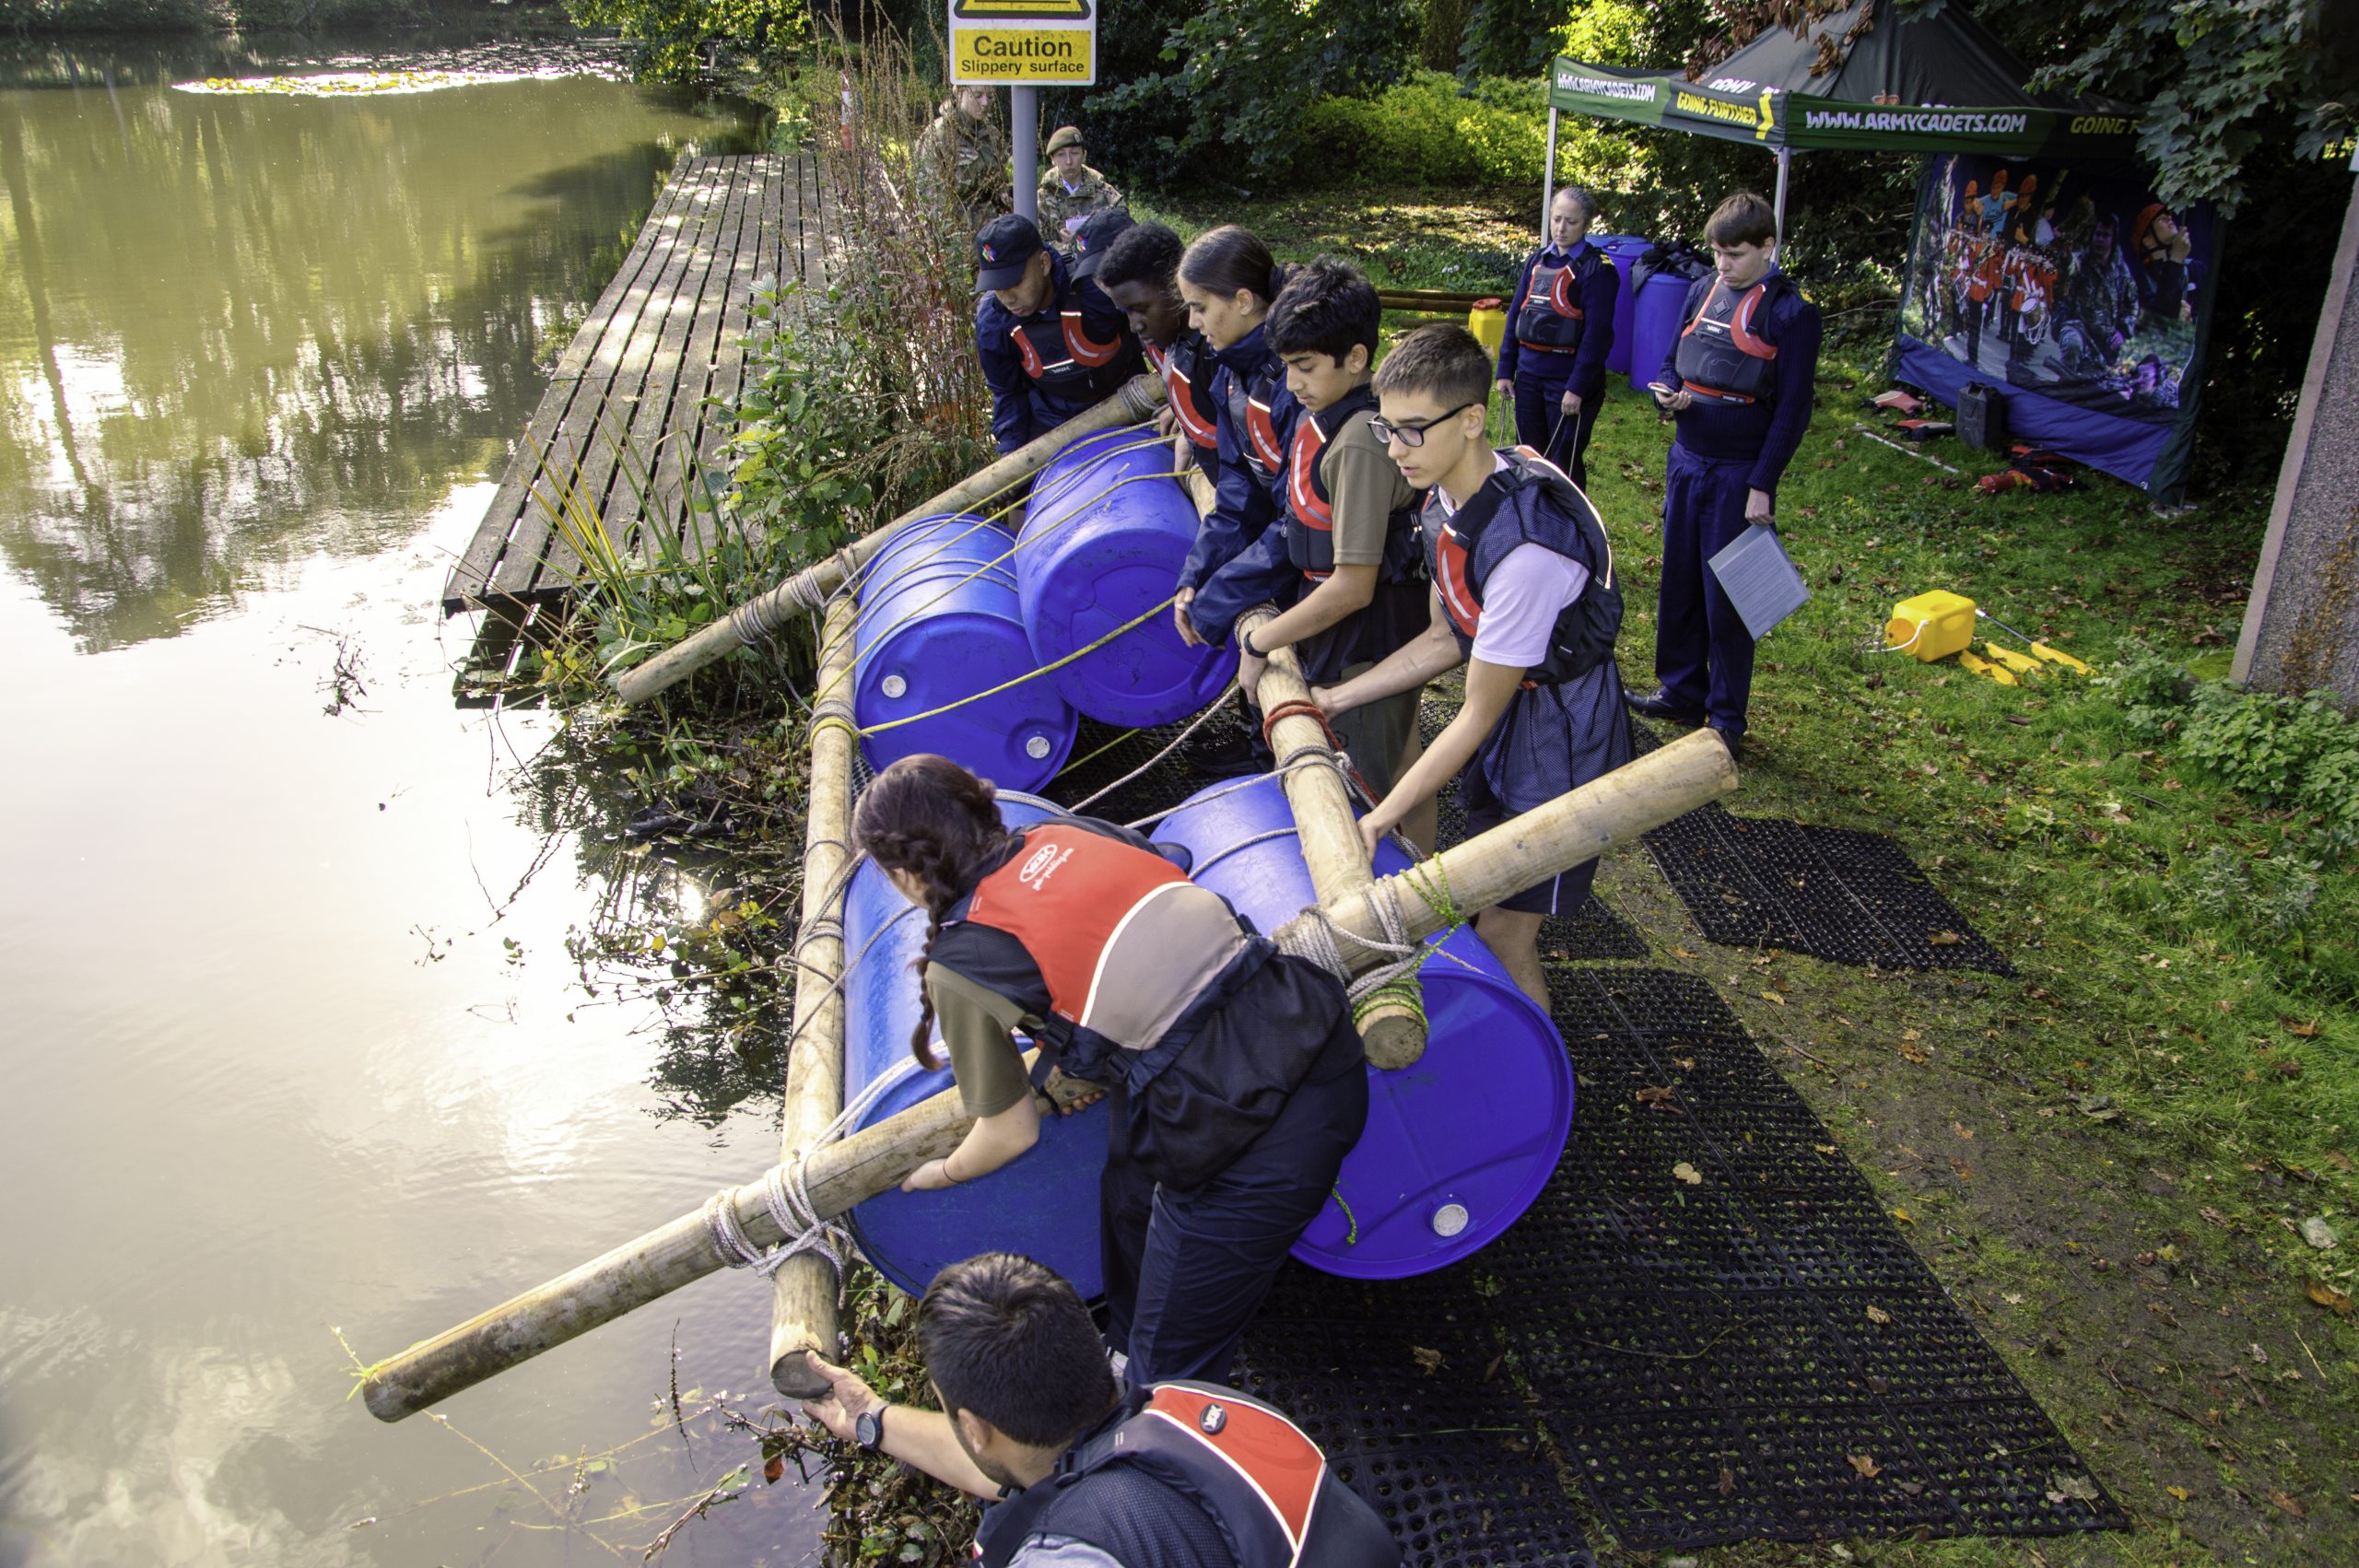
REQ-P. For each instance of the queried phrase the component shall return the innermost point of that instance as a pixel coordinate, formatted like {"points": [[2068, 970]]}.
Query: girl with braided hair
{"points": [[1237, 1077]]}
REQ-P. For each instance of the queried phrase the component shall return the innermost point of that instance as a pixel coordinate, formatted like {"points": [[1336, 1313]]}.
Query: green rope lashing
{"points": [[1351, 1220], [1432, 883], [1404, 993]]}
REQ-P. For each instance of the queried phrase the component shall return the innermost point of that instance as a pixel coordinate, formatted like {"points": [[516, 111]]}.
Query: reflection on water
{"points": [[284, 1058], [236, 329]]}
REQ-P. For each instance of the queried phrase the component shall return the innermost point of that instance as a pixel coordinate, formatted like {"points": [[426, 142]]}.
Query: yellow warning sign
{"points": [[1019, 11], [1043, 56]]}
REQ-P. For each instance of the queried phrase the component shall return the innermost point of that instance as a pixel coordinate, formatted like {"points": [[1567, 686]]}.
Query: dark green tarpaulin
{"points": [[1947, 85]]}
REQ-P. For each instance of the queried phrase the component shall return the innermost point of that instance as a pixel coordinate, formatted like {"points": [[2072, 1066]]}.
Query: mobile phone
{"points": [[1661, 391]]}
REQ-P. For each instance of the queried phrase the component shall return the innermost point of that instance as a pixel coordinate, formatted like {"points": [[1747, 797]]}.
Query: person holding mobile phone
{"points": [[1739, 380]]}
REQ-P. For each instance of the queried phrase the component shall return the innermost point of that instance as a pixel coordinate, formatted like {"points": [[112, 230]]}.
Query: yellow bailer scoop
{"points": [[2021, 664], [1985, 669]]}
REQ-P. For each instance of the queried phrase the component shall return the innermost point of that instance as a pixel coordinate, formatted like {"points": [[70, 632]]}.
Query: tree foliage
{"points": [[677, 37]]}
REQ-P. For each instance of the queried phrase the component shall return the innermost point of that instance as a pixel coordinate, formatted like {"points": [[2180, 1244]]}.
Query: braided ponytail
{"points": [[929, 818]]}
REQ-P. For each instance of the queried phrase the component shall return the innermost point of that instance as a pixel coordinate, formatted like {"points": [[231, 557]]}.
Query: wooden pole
{"points": [[809, 587], [804, 1290], [1392, 1027], [1576, 828]]}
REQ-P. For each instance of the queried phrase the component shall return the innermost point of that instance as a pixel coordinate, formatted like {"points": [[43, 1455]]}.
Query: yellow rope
{"points": [[1149, 614]]}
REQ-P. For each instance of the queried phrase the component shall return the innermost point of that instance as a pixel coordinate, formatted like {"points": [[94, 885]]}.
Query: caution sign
{"points": [[1024, 42]]}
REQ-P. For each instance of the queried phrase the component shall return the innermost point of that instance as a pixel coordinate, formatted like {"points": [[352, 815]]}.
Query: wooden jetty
{"points": [[662, 339]]}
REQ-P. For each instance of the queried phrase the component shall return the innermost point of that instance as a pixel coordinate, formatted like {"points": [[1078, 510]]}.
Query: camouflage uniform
{"points": [[972, 155], [1063, 210]]}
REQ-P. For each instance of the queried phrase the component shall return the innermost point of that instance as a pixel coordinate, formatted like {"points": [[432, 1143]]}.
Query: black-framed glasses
{"points": [[1412, 435]]}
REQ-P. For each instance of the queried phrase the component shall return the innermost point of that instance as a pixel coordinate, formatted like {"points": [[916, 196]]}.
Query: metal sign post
{"points": [[1024, 45]]}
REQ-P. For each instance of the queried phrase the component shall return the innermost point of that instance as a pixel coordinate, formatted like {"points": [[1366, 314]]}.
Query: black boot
{"points": [[1661, 705]]}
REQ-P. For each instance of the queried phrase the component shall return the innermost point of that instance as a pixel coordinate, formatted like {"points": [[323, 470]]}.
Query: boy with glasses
{"points": [[1524, 595]]}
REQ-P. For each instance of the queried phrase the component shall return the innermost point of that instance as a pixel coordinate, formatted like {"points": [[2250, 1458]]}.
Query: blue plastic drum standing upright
{"points": [[1105, 536], [1625, 250], [1043, 1204], [1458, 1144], [1659, 314], [939, 623]]}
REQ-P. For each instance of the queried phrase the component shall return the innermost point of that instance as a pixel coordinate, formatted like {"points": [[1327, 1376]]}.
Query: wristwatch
{"points": [[868, 1427]]}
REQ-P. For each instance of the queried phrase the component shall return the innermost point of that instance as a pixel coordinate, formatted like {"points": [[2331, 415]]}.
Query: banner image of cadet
{"points": [[2075, 286]]}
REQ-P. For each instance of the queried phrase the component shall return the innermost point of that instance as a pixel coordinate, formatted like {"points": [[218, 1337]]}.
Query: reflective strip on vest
{"points": [[1720, 357], [1181, 394], [1085, 348], [1268, 1452], [1263, 432], [1123, 941]]}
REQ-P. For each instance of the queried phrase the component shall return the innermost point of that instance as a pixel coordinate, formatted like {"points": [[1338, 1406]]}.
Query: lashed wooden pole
{"points": [[804, 1289], [1392, 1023], [1573, 828], [809, 589]]}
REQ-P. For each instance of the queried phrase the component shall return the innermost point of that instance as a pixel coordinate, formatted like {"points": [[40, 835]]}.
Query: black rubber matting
{"points": [[1755, 1354]]}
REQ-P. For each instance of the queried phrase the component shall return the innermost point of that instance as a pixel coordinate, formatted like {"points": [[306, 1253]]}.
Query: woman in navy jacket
{"points": [[1560, 325]]}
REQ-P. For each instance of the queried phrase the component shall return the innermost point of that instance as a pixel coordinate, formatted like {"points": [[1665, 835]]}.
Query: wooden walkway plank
{"points": [[655, 368]]}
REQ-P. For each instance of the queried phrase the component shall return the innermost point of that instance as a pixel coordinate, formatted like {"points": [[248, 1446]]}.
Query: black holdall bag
{"points": [[1982, 416]]}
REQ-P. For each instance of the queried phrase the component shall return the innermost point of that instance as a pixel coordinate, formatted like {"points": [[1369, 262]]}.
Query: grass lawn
{"points": [[2107, 1157]]}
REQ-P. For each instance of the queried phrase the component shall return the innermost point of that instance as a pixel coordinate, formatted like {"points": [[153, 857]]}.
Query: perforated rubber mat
{"points": [[1755, 1354]]}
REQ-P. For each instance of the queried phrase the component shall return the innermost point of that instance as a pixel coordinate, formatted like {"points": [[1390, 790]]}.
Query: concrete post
{"points": [[2301, 626]]}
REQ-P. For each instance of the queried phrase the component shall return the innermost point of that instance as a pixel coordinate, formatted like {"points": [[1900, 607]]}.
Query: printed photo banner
{"points": [[1734, 109], [2075, 292]]}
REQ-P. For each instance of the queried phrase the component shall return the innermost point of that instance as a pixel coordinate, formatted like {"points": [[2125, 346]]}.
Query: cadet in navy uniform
{"points": [[1525, 597], [1237, 1076], [1740, 380], [1228, 280], [1050, 343], [1560, 327], [1139, 270], [1078, 1473]]}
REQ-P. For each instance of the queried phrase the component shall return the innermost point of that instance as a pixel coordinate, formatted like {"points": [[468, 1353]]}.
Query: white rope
{"points": [[1178, 741]]}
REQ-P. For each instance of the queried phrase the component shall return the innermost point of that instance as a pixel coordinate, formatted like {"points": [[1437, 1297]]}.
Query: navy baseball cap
{"points": [[1002, 250], [1096, 232]]}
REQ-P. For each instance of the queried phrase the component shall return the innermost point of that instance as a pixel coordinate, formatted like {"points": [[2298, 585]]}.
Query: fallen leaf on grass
{"points": [[2179, 1491], [1944, 939], [2259, 1356], [2078, 1488], [1688, 1174], [2339, 1160], [2300, 1031], [2013, 1298], [1428, 1362], [1917, 1054], [1773, 996], [2326, 1296], [1902, 1216], [1963, 1171], [2289, 1505], [2213, 1215], [1878, 1315], [1866, 1464], [1961, 1129]]}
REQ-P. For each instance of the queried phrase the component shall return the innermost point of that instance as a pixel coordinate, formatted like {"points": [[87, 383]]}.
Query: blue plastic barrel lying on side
{"points": [[939, 623], [1656, 318], [1105, 536], [1457, 1144], [1626, 250], [1043, 1204]]}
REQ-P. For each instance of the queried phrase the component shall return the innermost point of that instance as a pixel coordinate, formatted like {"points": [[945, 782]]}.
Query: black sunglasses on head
{"points": [[1412, 435]]}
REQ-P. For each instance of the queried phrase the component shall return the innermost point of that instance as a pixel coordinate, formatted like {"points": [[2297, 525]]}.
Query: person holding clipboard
{"points": [[1739, 380]]}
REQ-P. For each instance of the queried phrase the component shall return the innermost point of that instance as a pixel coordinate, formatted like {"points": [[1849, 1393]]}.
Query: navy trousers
{"points": [[1186, 1270], [1703, 654], [1541, 422]]}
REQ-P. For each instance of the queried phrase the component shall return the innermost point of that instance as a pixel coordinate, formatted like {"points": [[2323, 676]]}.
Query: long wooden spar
{"points": [[810, 588], [1574, 828]]}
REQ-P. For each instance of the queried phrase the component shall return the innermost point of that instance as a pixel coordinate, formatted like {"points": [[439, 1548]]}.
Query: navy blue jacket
{"points": [[1246, 498], [1764, 433], [1021, 408], [1600, 293]]}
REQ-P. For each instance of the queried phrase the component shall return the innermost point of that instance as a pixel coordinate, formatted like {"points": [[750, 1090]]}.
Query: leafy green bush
{"points": [[2151, 689], [1433, 130], [808, 417]]}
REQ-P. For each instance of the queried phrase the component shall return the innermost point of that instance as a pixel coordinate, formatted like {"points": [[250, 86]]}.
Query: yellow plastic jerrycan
{"points": [[1488, 321], [1932, 625]]}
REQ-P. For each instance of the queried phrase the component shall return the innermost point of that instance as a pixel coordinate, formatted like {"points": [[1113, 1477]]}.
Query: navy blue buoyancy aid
{"points": [[1549, 316], [1221, 1471], [1528, 502], [1259, 412], [1310, 510], [1722, 355], [1057, 352]]}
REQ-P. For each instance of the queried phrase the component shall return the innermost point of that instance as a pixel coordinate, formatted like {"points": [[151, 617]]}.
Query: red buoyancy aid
{"points": [[1721, 357], [1123, 941], [1311, 513], [1067, 367], [1250, 414], [1180, 391], [1549, 316], [1265, 1485]]}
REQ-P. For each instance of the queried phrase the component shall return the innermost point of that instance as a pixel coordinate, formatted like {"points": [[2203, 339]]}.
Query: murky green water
{"points": [[284, 1054]]}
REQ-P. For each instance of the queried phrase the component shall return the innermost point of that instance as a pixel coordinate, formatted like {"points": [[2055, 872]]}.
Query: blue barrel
{"points": [[1655, 322], [1457, 1144], [1105, 536], [939, 622], [1043, 1204], [1625, 250]]}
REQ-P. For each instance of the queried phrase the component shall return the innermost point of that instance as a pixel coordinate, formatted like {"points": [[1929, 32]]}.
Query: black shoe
{"points": [[1661, 705], [1223, 751], [1733, 739]]}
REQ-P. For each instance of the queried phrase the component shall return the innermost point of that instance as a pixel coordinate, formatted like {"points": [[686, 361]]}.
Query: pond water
{"points": [[292, 1043]]}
